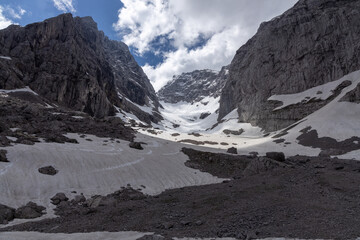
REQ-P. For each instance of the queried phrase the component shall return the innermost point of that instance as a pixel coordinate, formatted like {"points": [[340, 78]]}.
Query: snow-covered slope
{"points": [[335, 127], [191, 105], [94, 166]]}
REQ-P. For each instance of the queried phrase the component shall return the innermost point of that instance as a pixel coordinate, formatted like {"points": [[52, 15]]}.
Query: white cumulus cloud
{"points": [[4, 22], [64, 5], [204, 34]]}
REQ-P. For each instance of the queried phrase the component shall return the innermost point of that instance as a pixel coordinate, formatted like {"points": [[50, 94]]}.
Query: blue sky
{"points": [[166, 37]]}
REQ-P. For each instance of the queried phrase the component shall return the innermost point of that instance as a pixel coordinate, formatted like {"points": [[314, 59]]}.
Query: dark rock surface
{"points": [[329, 146], [232, 150], [32, 119], [48, 170], [69, 61], [352, 96], [194, 86], [6, 214], [58, 198], [313, 43], [3, 157], [136, 145], [29, 211], [277, 156]]}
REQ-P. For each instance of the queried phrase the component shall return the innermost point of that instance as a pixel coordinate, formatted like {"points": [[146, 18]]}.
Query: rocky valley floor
{"points": [[302, 197]]}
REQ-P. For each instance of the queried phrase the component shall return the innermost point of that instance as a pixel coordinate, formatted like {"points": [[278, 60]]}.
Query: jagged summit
{"points": [[194, 86], [69, 61]]}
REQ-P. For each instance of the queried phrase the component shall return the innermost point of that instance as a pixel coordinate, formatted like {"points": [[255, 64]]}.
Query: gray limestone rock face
{"points": [[315, 42], [70, 62], [194, 86]]}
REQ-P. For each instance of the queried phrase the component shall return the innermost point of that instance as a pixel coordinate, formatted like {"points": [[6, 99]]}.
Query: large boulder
{"points": [[48, 170], [29, 211], [136, 145], [3, 157], [6, 214], [277, 156], [58, 198]]}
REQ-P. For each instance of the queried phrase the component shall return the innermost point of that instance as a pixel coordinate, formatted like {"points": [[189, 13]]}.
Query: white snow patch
{"points": [[187, 115], [72, 236], [321, 92], [91, 167], [11, 138], [26, 89], [5, 57], [77, 117]]}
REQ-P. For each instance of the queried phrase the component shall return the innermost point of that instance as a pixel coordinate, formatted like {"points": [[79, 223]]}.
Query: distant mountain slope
{"points": [[315, 42], [194, 86], [69, 61], [191, 100]]}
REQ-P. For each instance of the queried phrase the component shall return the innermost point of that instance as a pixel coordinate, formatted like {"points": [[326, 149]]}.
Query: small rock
{"points": [[167, 225], [3, 157], [136, 145], [253, 154], [48, 170], [185, 223], [79, 198], [199, 222], [331, 152], [339, 168], [277, 156], [94, 201], [232, 150], [58, 198]]}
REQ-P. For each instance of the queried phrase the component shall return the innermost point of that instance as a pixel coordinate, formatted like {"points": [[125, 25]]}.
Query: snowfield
{"points": [[100, 166]]}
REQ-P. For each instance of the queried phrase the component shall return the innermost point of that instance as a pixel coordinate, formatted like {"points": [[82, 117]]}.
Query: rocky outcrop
{"points": [[315, 42], [6, 214], [352, 96], [69, 61], [194, 86], [29, 211]]}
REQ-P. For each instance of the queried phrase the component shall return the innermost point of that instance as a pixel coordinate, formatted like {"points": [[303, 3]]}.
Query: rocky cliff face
{"points": [[69, 61], [315, 42], [194, 86]]}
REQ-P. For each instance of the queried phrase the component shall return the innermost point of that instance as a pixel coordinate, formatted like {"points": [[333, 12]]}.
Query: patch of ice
{"points": [[12, 138], [5, 57], [77, 117], [26, 89]]}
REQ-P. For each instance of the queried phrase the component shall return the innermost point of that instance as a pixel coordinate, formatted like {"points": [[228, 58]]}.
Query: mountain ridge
{"points": [[69, 61]]}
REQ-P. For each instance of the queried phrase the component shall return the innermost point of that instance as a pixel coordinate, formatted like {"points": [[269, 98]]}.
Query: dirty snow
{"points": [[94, 167]]}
